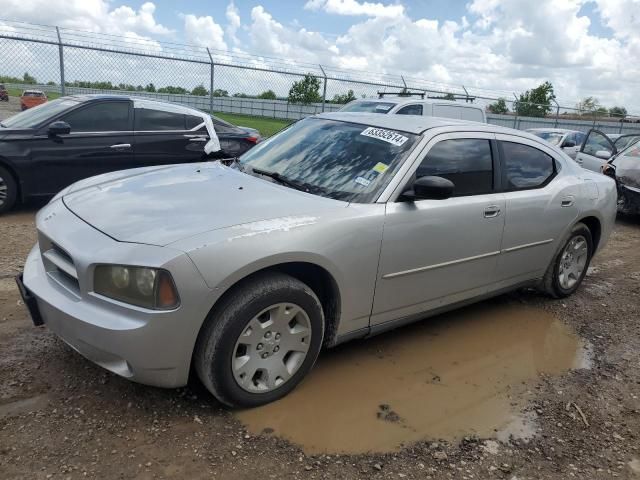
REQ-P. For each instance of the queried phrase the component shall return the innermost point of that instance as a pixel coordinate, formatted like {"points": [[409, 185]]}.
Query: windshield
{"points": [[339, 160], [35, 116], [371, 107], [553, 138]]}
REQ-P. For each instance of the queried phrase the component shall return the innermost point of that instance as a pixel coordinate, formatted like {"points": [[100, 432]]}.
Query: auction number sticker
{"points": [[385, 135]]}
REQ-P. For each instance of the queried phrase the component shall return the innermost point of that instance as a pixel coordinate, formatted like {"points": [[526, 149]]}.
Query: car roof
{"points": [[552, 130], [114, 97], [402, 100]]}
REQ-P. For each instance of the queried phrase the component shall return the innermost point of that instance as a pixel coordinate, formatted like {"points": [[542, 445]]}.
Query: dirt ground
{"points": [[62, 417], [9, 108]]}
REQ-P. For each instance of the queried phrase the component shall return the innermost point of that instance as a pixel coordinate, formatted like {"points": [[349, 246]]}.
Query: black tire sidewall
{"points": [[12, 190], [578, 230], [220, 368]]}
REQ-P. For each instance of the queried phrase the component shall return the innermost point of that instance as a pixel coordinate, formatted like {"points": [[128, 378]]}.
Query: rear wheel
{"points": [[8, 190], [261, 341], [569, 266]]}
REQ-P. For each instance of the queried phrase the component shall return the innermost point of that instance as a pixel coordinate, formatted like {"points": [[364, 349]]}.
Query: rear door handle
{"points": [[491, 211], [121, 145]]}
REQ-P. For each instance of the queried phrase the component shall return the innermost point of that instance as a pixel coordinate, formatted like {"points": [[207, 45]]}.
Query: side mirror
{"points": [[58, 128], [603, 154], [430, 188], [569, 144]]}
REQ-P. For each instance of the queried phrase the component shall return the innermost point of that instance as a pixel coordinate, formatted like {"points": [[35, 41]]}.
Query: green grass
{"points": [[16, 92], [266, 126]]}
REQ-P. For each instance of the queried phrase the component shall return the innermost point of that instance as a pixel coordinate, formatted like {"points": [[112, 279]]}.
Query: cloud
{"points": [[233, 23], [354, 8], [204, 32]]}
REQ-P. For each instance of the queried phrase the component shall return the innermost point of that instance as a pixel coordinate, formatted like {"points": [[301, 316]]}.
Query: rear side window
{"points": [[466, 162], [100, 117], [526, 167], [147, 119], [410, 110]]}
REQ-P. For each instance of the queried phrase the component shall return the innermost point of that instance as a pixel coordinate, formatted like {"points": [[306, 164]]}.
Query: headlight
{"points": [[145, 287]]}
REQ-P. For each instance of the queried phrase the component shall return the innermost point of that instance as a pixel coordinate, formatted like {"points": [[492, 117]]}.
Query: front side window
{"points": [[466, 162], [410, 110], [597, 142], [341, 160], [526, 167], [99, 117], [148, 119]]}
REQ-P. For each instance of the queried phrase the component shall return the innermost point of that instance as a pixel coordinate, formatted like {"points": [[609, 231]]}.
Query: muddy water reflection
{"points": [[459, 374]]}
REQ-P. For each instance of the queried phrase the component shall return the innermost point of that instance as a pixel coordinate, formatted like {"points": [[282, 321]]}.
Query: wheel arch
{"points": [[317, 277], [4, 163], [595, 227]]}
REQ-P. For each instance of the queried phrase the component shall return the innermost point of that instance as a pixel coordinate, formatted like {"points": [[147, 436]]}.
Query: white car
{"points": [[598, 148], [417, 106], [568, 140]]}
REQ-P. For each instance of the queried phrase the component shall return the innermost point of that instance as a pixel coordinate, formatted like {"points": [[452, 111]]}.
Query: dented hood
{"points": [[161, 205]]}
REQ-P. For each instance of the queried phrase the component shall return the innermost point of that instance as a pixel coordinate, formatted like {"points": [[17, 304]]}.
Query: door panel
{"points": [[437, 252], [100, 141], [534, 220]]}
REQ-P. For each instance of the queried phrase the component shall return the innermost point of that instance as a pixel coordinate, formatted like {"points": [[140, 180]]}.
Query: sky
{"points": [[584, 47]]}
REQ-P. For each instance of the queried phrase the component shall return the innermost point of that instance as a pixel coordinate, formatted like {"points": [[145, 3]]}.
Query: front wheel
{"points": [[261, 341], [569, 266], [8, 190]]}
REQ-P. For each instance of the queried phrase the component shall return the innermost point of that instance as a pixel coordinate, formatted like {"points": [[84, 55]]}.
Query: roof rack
{"points": [[453, 96], [401, 94]]}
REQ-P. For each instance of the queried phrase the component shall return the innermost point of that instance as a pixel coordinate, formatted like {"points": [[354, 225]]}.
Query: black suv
{"points": [[44, 149]]}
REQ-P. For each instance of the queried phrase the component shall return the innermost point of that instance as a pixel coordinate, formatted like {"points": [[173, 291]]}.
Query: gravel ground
{"points": [[62, 417], [9, 108]]}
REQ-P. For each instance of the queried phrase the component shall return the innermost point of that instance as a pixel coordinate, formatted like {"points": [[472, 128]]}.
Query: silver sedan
{"points": [[342, 226]]}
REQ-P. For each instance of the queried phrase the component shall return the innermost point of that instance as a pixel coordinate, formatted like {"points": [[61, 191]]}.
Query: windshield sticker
{"points": [[363, 181], [380, 167], [385, 135], [383, 107]]}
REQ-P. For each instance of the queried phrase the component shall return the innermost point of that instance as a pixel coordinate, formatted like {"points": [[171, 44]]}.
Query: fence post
{"points": [[515, 110], [324, 88], [61, 53], [555, 125], [210, 82]]}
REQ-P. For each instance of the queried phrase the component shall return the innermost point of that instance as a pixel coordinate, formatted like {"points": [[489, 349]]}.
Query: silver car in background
{"points": [[568, 140], [599, 148], [342, 226]]}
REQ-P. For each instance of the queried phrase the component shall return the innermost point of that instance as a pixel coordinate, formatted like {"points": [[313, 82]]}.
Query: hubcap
{"points": [[271, 348], [572, 262], [3, 191]]}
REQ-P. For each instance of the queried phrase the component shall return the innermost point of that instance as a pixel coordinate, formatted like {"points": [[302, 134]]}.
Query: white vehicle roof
{"points": [[398, 100]]}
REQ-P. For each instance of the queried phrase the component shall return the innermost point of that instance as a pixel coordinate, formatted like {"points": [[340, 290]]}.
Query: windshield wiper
{"points": [[283, 180]]}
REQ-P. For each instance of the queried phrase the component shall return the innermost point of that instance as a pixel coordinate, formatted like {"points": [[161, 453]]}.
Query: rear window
{"points": [[370, 107], [33, 94]]}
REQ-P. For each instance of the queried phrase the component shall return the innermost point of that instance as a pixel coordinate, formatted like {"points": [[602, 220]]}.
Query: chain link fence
{"points": [[65, 61]]}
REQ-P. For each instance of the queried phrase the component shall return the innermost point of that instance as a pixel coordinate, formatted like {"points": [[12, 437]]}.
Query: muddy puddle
{"points": [[464, 373]]}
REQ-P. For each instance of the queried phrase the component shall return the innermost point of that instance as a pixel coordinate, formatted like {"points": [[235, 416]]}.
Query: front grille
{"points": [[59, 264]]}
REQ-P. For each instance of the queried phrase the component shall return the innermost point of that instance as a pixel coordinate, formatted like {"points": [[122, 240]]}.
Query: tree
{"points": [[268, 95], [344, 98], [150, 88], [240, 95], [536, 102], [305, 91], [200, 91], [588, 104], [218, 92], [499, 107], [173, 90], [618, 112], [26, 78]]}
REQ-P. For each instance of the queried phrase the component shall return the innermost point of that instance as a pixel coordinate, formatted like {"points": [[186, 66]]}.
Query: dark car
{"points": [[44, 149], [4, 95]]}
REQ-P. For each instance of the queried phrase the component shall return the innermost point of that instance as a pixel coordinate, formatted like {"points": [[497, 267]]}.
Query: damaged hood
{"points": [[161, 205]]}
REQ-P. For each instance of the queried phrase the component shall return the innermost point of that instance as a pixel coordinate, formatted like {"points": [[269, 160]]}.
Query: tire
{"points": [[557, 282], [258, 310], [8, 190]]}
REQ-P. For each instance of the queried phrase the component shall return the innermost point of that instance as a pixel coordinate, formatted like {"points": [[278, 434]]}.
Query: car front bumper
{"points": [[146, 346]]}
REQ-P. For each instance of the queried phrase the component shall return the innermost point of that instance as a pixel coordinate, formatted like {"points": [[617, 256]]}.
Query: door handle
{"points": [[197, 138], [491, 211], [567, 202], [121, 145]]}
